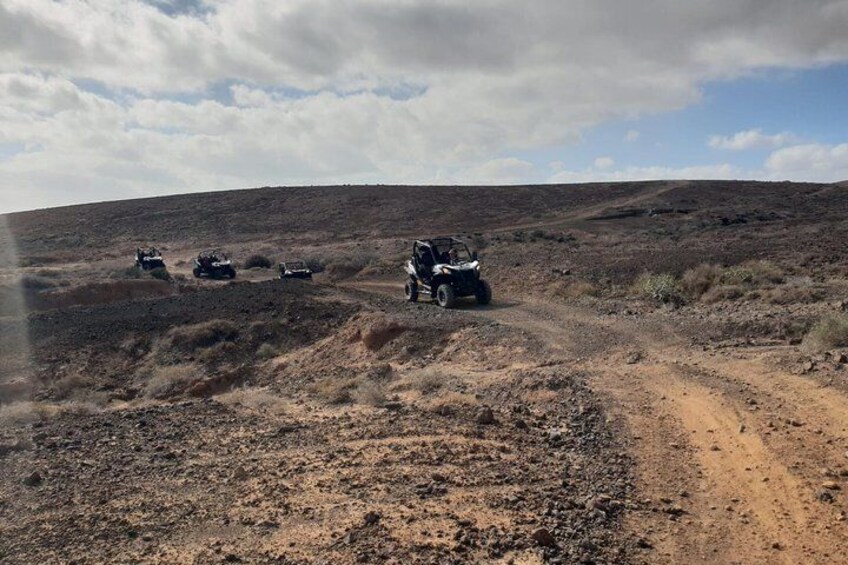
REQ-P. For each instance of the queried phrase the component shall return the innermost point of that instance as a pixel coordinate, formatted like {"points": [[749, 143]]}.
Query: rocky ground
{"points": [[648, 385]]}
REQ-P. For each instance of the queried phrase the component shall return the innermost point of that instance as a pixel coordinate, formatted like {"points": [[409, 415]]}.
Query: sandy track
{"points": [[732, 453]]}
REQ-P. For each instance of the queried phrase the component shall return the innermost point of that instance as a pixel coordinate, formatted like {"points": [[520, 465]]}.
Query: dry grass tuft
{"points": [[258, 399], [169, 381], [793, 294], [830, 332], [572, 290], [267, 351], [335, 390], [26, 412], [370, 393], [453, 403], [427, 381], [206, 334], [697, 281]]}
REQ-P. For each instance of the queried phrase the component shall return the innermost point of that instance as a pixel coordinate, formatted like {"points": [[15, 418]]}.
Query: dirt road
{"points": [[738, 461]]}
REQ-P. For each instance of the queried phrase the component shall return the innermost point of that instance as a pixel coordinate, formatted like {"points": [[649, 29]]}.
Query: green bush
{"points": [[257, 261], [830, 332], [662, 288]]}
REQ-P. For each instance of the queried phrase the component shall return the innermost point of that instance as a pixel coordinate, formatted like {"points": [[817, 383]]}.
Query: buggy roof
{"points": [[439, 241]]}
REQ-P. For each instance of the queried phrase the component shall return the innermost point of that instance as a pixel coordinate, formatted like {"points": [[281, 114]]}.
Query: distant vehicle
{"points": [[148, 258], [445, 269], [213, 264], [296, 269]]}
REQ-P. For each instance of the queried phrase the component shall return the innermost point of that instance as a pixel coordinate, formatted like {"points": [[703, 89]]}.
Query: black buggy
{"points": [[296, 269], [445, 269], [213, 264], [148, 258]]}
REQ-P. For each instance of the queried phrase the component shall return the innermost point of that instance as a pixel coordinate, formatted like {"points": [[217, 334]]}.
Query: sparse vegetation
{"points": [[713, 283], [830, 332], [258, 262]]}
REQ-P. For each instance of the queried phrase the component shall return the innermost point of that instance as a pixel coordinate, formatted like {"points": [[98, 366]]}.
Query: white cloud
{"points": [[750, 139], [320, 91], [603, 162], [707, 172], [814, 162], [631, 135]]}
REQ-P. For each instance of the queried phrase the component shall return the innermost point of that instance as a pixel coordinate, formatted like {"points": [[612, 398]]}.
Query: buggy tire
{"points": [[483, 292], [196, 272], [445, 296], [231, 273], [410, 291]]}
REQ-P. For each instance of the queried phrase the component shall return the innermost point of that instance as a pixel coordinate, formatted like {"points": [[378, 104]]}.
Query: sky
{"points": [[112, 99]]}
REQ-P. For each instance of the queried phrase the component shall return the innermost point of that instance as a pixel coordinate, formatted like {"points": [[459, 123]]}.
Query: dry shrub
{"points": [[764, 272], [205, 334], [793, 294], [71, 385], [830, 332], [574, 289], [335, 390], [427, 381], [37, 283], [752, 273], [697, 281], [160, 273], [258, 399], [722, 293], [370, 393], [169, 381], [26, 412], [218, 352], [257, 262], [267, 351], [453, 403]]}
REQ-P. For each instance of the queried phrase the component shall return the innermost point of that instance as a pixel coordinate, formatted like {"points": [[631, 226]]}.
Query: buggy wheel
{"points": [[231, 273], [445, 296], [483, 293], [196, 272], [410, 290]]}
